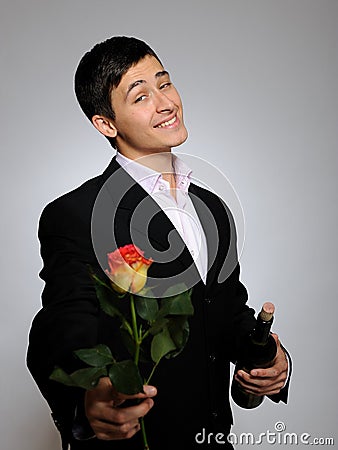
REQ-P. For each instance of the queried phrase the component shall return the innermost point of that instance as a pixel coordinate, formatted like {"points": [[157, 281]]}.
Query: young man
{"points": [[127, 94]]}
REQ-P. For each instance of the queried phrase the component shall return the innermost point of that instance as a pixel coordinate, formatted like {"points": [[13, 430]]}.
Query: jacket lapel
{"points": [[134, 217], [206, 214]]}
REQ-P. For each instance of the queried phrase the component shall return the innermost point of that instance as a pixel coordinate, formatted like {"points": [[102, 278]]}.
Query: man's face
{"points": [[148, 111]]}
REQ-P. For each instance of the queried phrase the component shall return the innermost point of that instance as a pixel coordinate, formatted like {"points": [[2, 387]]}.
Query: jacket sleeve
{"points": [[69, 316]]}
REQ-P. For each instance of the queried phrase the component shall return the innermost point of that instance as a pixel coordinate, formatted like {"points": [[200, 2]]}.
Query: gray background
{"points": [[259, 84]]}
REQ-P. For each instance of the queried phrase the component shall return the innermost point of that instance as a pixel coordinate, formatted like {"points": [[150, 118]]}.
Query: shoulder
{"points": [[75, 202], [213, 202], [79, 202]]}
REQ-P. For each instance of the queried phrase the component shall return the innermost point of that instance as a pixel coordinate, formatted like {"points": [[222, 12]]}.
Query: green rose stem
{"points": [[152, 372], [138, 341]]}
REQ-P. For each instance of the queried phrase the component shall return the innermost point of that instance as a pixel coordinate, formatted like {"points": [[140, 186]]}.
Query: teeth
{"points": [[165, 124]]}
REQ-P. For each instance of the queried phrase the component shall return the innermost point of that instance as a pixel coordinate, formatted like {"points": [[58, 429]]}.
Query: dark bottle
{"points": [[259, 351]]}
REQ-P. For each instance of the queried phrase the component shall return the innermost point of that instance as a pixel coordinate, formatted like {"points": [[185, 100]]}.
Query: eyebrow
{"points": [[161, 73]]}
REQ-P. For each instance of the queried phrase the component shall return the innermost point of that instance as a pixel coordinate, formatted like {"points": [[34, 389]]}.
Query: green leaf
{"points": [[89, 377], [126, 377], [85, 378], [109, 302], [176, 289], [61, 376], [158, 325], [179, 331], [146, 292], [177, 305], [146, 307], [161, 345], [98, 356]]}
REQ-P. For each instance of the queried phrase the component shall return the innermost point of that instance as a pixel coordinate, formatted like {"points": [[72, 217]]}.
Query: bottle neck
{"points": [[261, 332]]}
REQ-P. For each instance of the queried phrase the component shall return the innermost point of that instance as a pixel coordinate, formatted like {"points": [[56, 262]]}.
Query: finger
{"points": [[148, 391], [261, 392], [124, 415], [243, 377], [260, 383], [105, 431], [271, 390], [271, 372], [276, 338], [280, 367], [256, 374], [115, 423], [264, 387]]}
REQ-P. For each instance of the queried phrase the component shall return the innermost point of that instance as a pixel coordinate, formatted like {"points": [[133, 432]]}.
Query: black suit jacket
{"points": [[77, 230]]}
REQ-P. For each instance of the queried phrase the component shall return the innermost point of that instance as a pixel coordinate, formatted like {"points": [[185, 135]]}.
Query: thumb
{"points": [[276, 338], [150, 391]]}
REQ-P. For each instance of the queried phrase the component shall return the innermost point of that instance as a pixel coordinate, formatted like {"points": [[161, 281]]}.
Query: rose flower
{"points": [[128, 269]]}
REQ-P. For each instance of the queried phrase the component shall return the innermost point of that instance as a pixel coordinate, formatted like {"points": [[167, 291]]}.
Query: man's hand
{"points": [[266, 381], [107, 419]]}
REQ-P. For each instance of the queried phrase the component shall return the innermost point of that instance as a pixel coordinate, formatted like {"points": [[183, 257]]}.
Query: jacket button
{"points": [[214, 415], [57, 424], [207, 300], [212, 357]]}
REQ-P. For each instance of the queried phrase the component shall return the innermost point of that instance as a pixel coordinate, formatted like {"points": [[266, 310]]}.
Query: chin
{"points": [[180, 140]]}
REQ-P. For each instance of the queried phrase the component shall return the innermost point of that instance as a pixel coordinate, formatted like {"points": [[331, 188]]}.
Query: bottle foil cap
{"points": [[267, 311]]}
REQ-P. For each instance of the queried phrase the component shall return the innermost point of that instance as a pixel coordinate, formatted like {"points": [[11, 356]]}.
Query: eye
{"points": [[165, 85], [140, 98]]}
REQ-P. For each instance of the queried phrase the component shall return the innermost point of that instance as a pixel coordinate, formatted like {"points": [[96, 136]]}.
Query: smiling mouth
{"points": [[168, 123]]}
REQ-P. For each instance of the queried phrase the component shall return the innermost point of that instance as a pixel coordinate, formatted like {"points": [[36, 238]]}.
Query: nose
{"points": [[163, 102]]}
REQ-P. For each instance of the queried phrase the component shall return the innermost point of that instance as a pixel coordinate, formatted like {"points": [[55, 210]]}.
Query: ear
{"points": [[104, 126]]}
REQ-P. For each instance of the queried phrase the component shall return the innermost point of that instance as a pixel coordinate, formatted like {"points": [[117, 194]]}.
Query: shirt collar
{"points": [[148, 178]]}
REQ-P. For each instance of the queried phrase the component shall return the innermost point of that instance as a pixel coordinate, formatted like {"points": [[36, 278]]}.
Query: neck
{"points": [[162, 162], [159, 162]]}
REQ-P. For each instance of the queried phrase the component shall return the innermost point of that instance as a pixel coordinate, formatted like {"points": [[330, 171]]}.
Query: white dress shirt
{"points": [[180, 211]]}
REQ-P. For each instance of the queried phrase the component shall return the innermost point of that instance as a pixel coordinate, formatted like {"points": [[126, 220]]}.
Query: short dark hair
{"points": [[101, 69]]}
